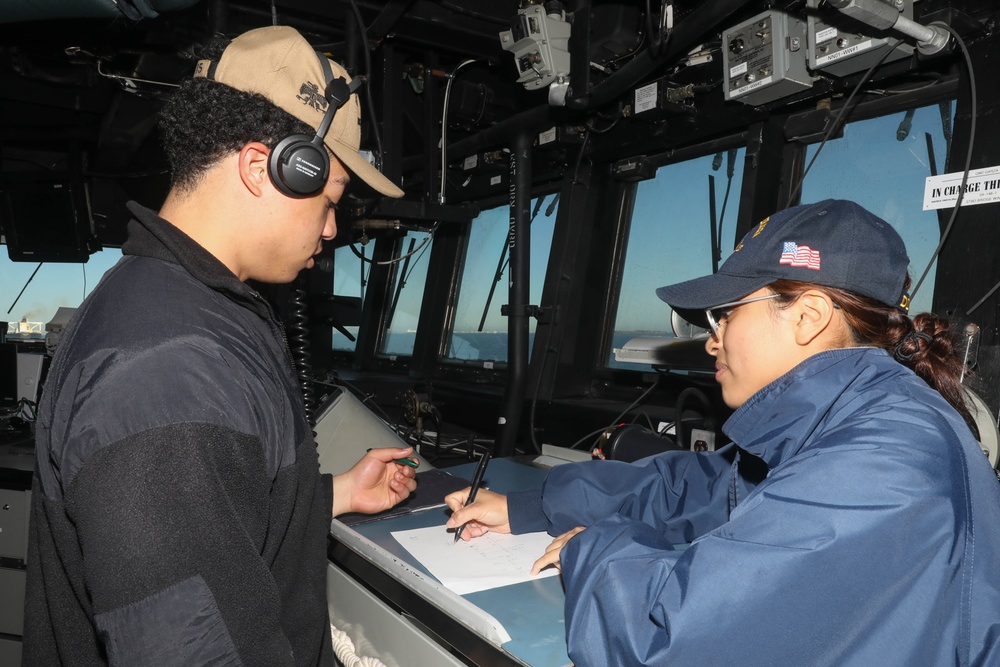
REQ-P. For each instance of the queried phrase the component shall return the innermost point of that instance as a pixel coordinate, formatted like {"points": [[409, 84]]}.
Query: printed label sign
{"points": [[982, 187]]}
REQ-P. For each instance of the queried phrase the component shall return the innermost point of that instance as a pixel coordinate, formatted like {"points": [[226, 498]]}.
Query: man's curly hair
{"points": [[204, 121]]}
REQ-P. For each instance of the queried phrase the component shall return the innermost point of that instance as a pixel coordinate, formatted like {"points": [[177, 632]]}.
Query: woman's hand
{"points": [[551, 555], [488, 512], [375, 483]]}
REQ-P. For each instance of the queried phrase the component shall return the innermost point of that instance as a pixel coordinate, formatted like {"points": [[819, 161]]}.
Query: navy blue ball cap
{"points": [[835, 243]]}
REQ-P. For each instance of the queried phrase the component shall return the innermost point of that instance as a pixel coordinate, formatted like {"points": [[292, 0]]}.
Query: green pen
{"points": [[402, 462]]}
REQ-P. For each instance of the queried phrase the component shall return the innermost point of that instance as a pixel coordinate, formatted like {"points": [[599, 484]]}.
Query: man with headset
{"points": [[179, 517]]}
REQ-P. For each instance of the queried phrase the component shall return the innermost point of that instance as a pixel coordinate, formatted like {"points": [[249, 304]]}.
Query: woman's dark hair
{"points": [[204, 121], [925, 343]]}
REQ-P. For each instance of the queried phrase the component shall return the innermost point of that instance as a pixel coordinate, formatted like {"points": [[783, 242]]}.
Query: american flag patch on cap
{"points": [[799, 255]]}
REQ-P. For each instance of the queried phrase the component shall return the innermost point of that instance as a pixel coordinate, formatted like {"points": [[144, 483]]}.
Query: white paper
{"points": [[485, 562]]}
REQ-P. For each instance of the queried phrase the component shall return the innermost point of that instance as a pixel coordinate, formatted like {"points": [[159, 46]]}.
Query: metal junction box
{"points": [[840, 45], [765, 58]]}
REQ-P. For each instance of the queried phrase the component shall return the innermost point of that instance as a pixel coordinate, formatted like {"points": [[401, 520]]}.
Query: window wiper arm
{"points": [[501, 265]]}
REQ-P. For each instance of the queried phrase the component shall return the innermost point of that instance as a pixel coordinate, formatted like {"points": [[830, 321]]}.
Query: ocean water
{"points": [[483, 346]]}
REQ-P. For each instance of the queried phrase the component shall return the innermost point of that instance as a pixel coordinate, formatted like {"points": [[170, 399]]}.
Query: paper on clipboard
{"points": [[490, 561]]}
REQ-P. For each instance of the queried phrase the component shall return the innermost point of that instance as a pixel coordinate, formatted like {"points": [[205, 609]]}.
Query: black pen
{"points": [[477, 480]]}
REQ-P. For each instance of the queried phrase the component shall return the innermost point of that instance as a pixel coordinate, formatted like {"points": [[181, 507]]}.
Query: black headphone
{"points": [[299, 164]]}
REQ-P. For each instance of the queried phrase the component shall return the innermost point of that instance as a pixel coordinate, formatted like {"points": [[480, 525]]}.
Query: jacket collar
{"points": [[149, 235], [777, 422]]}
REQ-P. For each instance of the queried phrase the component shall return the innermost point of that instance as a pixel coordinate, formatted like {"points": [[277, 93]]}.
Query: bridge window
{"points": [[479, 332], [350, 275], [55, 285], [670, 239], [410, 275], [409, 270], [882, 164]]}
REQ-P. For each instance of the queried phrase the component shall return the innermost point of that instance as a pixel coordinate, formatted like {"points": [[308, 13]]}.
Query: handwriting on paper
{"points": [[490, 561]]}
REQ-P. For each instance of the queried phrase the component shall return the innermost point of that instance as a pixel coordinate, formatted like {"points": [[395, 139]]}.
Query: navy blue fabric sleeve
{"points": [[524, 512], [769, 584], [686, 494]]}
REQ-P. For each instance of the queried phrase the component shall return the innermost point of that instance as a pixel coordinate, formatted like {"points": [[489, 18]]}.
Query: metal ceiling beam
{"points": [[709, 15]]}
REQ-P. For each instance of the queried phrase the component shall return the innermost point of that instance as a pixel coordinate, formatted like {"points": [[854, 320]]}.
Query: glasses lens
{"points": [[715, 317]]}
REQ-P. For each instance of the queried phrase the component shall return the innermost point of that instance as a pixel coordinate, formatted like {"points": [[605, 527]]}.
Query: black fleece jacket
{"points": [[178, 513]]}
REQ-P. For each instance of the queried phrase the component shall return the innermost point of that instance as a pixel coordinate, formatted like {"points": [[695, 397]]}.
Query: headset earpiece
{"points": [[299, 164]]}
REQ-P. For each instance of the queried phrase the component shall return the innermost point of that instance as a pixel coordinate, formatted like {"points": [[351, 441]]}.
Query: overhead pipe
{"points": [[694, 26], [502, 133], [518, 317], [687, 33]]}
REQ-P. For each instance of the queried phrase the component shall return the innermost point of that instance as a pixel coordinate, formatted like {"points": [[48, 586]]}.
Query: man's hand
{"points": [[488, 512], [375, 483]]}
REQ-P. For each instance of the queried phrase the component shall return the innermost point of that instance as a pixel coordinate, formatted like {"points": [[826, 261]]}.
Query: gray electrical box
{"points": [[765, 58], [840, 45], [540, 44]]}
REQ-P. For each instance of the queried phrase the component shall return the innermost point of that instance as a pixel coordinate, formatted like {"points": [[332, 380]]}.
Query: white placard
{"points": [[645, 98], [982, 187], [844, 53], [825, 35]]}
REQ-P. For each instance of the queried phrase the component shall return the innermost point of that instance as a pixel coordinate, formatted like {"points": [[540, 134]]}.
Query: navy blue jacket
{"points": [[857, 523], [178, 512]]}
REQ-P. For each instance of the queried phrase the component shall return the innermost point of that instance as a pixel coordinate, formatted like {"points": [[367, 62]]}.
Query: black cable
{"points": [[587, 437], [624, 412], [965, 175], [836, 122], [637, 401], [679, 412], [298, 345], [368, 89]]}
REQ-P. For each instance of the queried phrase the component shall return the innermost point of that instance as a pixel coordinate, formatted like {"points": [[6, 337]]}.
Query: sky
{"points": [[874, 164], [54, 285]]}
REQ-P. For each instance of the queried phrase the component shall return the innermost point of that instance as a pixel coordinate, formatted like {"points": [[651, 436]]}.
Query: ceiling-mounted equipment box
{"points": [[764, 58], [840, 45]]}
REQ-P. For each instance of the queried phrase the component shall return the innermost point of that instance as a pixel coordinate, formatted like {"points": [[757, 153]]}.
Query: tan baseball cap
{"points": [[278, 63]]}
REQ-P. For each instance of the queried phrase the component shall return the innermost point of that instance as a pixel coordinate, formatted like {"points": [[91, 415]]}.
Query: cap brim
{"points": [[690, 298], [363, 169]]}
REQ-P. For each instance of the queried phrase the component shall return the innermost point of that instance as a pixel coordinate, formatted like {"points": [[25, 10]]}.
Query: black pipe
{"points": [[709, 14], [519, 240], [501, 134], [352, 46], [218, 17], [712, 220]]}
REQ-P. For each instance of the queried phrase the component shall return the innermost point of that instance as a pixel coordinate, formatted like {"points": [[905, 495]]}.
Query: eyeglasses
{"points": [[717, 315]]}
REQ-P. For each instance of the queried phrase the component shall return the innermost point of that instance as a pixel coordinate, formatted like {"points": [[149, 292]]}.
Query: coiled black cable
{"points": [[298, 345]]}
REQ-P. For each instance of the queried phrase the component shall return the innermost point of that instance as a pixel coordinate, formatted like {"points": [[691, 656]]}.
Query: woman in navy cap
{"points": [[853, 521]]}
